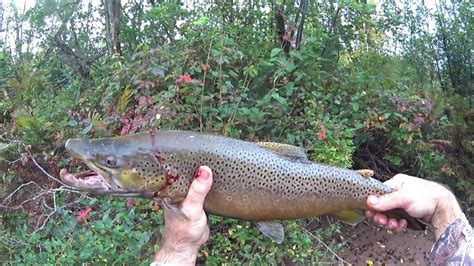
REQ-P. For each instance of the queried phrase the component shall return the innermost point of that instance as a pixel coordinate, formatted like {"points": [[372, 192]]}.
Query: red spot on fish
{"points": [[83, 214], [171, 178]]}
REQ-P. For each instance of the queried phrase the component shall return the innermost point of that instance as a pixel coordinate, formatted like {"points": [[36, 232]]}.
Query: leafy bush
{"points": [[341, 93]]}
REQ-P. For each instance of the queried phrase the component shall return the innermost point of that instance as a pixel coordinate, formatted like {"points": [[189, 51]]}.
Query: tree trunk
{"points": [[112, 25], [299, 36]]}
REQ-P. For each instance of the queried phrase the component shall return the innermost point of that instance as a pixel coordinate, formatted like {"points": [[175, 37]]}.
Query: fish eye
{"points": [[110, 161]]}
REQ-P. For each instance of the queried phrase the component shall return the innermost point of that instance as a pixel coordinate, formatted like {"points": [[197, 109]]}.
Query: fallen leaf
{"points": [[83, 214]]}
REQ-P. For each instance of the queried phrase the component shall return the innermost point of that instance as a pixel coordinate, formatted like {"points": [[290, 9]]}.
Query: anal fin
{"points": [[273, 230], [352, 217]]}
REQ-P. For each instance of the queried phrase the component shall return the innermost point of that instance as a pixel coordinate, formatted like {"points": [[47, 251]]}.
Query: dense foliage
{"points": [[359, 85]]}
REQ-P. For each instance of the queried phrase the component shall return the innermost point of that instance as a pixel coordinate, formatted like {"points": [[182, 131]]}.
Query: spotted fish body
{"points": [[255, 182]]}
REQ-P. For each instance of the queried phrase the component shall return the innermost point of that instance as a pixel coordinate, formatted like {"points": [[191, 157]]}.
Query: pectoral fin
{"points": [[272, 230], [288, 151], [352, 217], [166, 203]]}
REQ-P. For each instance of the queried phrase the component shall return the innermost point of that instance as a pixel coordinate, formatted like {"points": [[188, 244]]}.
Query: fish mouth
{"points": [[94, 182], [88, 180]]}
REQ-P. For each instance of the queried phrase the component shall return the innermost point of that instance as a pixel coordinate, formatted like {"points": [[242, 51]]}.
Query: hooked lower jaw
{"points": [[88, 180], [92, 181]]}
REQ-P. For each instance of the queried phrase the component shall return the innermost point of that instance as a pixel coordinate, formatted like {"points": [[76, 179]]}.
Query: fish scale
{"points": [[252, 181]]}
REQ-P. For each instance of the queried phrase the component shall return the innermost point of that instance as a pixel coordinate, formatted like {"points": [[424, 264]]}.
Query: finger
{"points": [[402, 224], [380, 219], [386, 202], [199, 188], [391, 224], [396, 182]]}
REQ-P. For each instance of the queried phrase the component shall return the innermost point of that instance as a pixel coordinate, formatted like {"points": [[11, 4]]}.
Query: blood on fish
{"points": [[159, 158], [170, 179], [152, 136]]}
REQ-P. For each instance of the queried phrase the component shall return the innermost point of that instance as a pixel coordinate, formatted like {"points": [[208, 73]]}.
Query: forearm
{"points": [[446, 212], [175, 254]]}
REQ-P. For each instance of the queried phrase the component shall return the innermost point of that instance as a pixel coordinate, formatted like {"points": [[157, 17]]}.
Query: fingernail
{"points": [[201, 174], [374, 200]]}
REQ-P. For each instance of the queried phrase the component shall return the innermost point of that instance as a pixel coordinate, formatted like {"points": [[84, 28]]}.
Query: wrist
{"points": [[447, 210], [177, 254]]}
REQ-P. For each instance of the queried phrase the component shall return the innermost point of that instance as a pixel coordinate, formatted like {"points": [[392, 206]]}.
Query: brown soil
{"points": [[368, 244]]}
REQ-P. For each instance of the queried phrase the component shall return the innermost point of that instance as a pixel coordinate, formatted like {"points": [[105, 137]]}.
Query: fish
{"points": [[261, 182]]}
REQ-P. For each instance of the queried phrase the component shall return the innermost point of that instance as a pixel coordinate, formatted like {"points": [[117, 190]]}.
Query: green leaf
{"points": [[158, 71], [290, 66], [291, 138], [279, 99], [87, 129], [290, 87], [145, 236], [275, 52], [72, 123], [393, 159], [355, 106]]}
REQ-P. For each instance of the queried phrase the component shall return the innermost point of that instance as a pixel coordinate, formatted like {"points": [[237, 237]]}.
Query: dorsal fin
{"points": [[288, 151]]}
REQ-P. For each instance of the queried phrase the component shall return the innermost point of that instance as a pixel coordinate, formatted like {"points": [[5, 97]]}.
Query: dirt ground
{"points": [[368, 244]]}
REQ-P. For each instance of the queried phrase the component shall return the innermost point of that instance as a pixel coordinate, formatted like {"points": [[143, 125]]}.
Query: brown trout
{"points": [[260, 182]]}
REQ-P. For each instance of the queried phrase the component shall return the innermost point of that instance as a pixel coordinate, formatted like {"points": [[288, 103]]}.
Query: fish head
{"points": [[118, 166]]}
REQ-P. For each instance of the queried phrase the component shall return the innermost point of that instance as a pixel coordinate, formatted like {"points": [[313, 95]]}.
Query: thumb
{"points": [[386, 202], [199, 188]]}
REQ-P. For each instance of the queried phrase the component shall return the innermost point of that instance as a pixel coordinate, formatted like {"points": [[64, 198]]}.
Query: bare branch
{"points": [[326, 246], [12, 241], [44, 222], [46, 173], [15, 191]]}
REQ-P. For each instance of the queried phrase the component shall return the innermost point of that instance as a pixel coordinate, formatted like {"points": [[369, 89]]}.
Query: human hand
{"points": [[182, 239], [423, 199]]}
